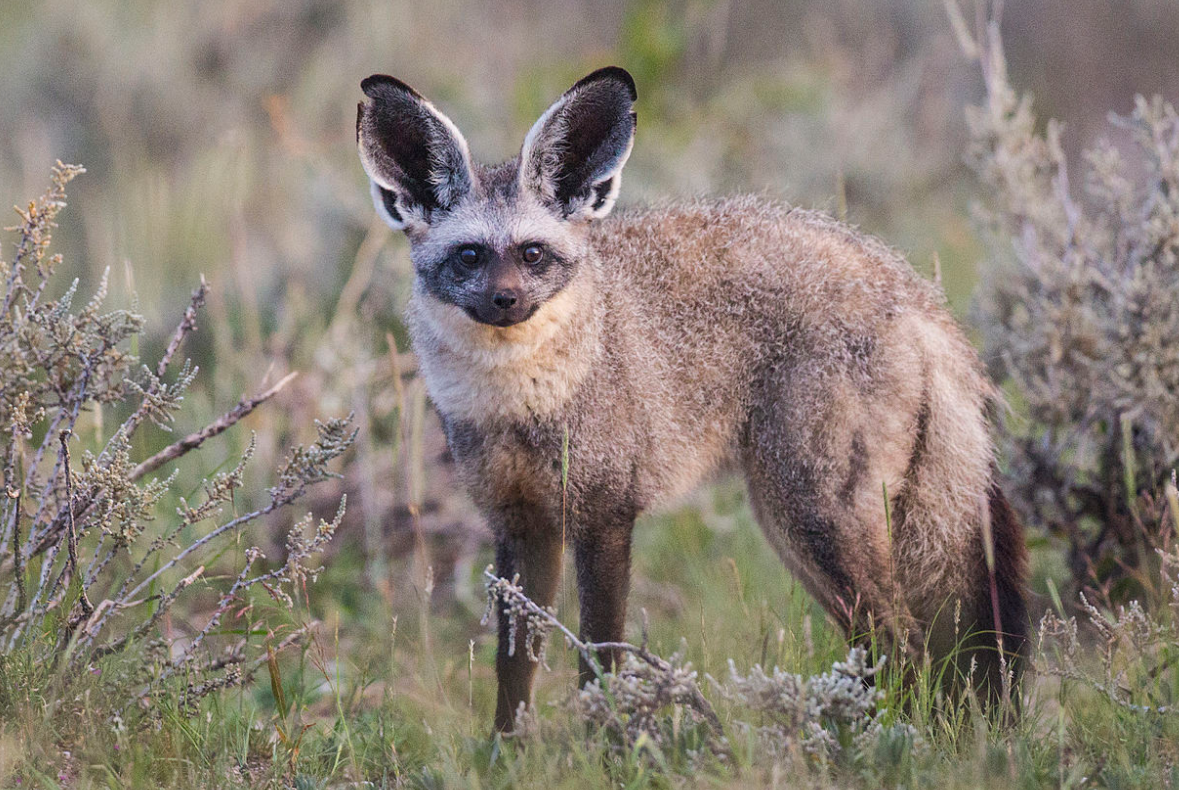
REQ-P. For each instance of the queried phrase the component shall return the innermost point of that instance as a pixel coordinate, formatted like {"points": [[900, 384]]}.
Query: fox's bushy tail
{"points": [[1001, 643]]}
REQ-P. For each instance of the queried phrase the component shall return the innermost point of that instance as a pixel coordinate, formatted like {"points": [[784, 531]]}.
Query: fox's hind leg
{"points": [[814, 466], [837, 564]]}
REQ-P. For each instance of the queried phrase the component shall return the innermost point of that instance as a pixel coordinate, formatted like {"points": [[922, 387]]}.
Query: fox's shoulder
{"points": [[734, 222]]}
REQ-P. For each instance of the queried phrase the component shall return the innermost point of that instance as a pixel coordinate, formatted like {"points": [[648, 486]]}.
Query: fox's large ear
{"points": [[573, 156], [416, 158]]}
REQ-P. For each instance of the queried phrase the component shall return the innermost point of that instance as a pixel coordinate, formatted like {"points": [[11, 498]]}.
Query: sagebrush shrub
{"points": [[1134, 649], [91, 559], [1079, 312], [818, 714]]}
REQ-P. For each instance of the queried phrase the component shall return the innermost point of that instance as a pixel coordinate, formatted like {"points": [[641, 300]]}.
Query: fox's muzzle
{"points": [[502, 307]]}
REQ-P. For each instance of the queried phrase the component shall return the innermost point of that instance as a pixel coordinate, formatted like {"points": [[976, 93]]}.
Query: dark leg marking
{"points": [[537, 558]]}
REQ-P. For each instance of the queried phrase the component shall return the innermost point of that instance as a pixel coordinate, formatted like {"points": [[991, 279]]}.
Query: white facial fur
{"points": [[478, 372]]}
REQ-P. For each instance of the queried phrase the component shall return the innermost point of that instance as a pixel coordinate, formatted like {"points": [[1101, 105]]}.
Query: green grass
{"points": [[402, 694]]}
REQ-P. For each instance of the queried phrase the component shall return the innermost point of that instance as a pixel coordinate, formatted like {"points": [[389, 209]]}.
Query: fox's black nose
{"points": [[504, 299]]}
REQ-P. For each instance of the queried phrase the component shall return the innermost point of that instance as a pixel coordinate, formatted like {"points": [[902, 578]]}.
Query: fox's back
{"points": [[724, 287], [756, 266]]}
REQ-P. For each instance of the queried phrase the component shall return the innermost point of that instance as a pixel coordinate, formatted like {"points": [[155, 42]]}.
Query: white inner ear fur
{"points": [[382, 212], [444, 181], [614, 175], [442, 178], [536, 171], [538, 181]]}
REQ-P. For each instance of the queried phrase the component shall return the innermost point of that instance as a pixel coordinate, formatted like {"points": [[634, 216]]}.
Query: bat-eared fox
{"points": [[646, 350]]}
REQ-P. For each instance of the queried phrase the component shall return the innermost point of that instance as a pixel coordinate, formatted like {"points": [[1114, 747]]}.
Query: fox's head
{"points": [[496, 242]]}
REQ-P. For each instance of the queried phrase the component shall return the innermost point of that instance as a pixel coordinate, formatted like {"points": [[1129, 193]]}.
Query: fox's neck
{"points": [[479, 373]]}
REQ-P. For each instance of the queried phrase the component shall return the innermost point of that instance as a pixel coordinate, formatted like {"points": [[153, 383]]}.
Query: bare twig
{"points": [[186, 325], [227, 598], [194, 440], [108, 607], [221, 530], [72, 532], [18, 567], [589, 650], [45, 499]]}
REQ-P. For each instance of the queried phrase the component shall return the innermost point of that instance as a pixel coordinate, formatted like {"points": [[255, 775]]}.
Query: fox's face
{"points": [[496, 243]]}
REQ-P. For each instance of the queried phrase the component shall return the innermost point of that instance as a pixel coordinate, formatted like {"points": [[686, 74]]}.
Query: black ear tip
{"points": [[377, 84], [616, 73]]}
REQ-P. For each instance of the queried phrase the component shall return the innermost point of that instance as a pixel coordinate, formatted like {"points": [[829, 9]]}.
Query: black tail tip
{"points": [[1003, 612]]}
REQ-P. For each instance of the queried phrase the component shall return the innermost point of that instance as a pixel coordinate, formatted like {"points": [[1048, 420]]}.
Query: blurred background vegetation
{"points": [[218, 136], [219, 139]]}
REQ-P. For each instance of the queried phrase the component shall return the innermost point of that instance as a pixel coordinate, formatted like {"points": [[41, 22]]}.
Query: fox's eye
{"points": [[469, 256], [533, 253]]}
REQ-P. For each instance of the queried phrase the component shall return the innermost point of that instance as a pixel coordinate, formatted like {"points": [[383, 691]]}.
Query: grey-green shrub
{"points": [[1080, 317], [91, 560]]}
